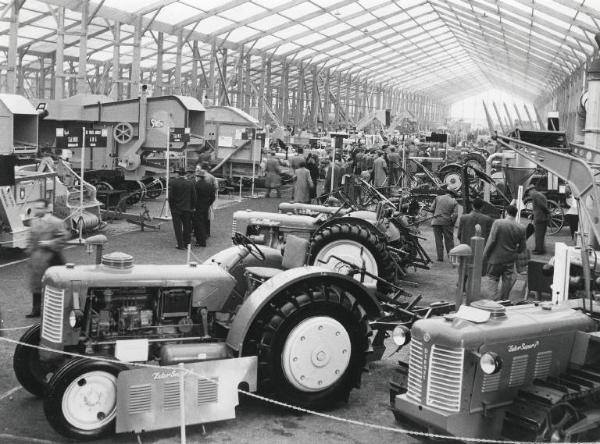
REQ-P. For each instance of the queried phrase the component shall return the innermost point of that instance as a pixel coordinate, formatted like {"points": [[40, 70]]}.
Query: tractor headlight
{"points": [[490, 363], [401, 335], [75, 318]]}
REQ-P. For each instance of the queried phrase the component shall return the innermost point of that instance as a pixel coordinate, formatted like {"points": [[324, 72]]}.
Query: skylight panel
{"points": [[358, 21], [300, 10], [127, 6], [240, 34], [325, 45], [212, 24], [311, 38], [421, 9], [317, 22], [557, 22], [242, 12], [349, 36], [371, 4], [389, 9], [287, 47], [333, 30], [174, 12], [266, 41], [291, 31]]}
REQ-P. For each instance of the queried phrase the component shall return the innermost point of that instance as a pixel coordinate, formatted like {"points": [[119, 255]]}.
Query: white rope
{"points": [[283, 404], [25, 327]]}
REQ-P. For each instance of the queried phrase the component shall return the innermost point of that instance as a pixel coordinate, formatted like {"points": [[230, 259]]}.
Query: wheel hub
{"points": [[89, 402], [350, 251], [316, 353]]}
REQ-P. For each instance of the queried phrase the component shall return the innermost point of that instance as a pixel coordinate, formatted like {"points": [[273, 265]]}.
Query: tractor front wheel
{"points": [[81, 402], [311, 344], [26, 362]]}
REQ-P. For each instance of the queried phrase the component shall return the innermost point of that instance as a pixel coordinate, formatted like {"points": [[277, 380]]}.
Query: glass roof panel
{"points": [[242, 11], [300, 10]]}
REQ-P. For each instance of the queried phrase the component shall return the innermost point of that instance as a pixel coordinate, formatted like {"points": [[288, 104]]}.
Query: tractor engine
{"points": [[118, 312]]}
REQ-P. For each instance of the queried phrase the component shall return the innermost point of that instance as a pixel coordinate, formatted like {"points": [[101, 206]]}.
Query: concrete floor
{"points": [[22, 416]]}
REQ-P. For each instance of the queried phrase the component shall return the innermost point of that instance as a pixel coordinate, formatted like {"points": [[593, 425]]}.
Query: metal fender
{"points": [[254, 303], [229, 257], [366, 219], [450, 166]]}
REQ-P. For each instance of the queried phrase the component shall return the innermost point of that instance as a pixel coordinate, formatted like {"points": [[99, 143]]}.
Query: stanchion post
{"points": [[474, 282], [182, 401]]}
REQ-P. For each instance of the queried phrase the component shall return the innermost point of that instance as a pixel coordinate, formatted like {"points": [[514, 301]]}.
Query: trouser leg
{"points": [[492, 278], [508, 280], [449, 237], [178, 228], [540, 235], [439, 241], [36, 306], [187, 227], [196, 226]]}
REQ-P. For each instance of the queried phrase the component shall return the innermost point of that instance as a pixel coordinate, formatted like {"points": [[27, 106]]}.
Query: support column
{"points": [[314, 106], [326, 101], [347, 101], [300, 101], [195, 90], [212, 94], [284, 92], [114, 89], [261, 91], [42, 79], [82, 84], [239, 96], [357, 100], [269, 89], [177, 87], [137, 58], [158, 89], [20, 74], [338, 102], [11, 74], [247, 84], [59, 76], [224, 93]]}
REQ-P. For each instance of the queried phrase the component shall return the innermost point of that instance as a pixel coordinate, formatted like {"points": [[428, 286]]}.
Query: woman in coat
{"points": [[312, 165], [302, 184]]}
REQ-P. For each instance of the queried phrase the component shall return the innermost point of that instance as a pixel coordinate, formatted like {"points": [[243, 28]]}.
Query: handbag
{"points": [[529, 230]]}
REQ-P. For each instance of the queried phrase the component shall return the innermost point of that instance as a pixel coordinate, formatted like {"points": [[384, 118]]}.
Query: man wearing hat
{"points": [[205, 196], [540, 216], [445, 213], [273, 175], [182, 203]]}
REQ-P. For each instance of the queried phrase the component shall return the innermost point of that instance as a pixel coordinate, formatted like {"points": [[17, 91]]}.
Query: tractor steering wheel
{"points": [[244, 241]]}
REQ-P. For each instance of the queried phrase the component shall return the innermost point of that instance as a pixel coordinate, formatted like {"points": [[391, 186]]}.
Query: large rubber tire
{"points": [[274, 329], [557, 216], [453, 177], [476, 160], [27, 365], [74, 376], [365, 235]]}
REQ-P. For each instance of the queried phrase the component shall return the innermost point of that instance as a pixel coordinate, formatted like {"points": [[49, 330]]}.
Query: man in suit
{"points": [[394, 162], [205, 196], [182, 202], [206, 166], [540, 216], [445, 213], [505, 242], [337, 176], [467, 222]]}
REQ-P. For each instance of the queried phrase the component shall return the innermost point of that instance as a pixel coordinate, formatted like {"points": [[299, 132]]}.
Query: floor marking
{"points": [[14, 438], [10, 392]]}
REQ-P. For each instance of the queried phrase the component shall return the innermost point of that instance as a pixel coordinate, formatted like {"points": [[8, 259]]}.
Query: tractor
{"points": [[383, 240], [249, 317], [525, 372]]}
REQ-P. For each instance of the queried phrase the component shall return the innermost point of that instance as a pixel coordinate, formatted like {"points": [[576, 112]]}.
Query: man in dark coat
{"points": [[467, 222], [394, 163], [205, 196], [445, 213], [272, 175], [540, 216], [47, 238], [182, 202], [505, 242]]}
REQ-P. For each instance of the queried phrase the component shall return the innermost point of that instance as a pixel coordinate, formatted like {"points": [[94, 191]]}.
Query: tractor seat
{"points": [[294, 255]]}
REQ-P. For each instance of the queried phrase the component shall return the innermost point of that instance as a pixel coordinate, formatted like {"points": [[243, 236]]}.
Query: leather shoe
{"points": [[180, 248], [200, 245], [33, 314]]}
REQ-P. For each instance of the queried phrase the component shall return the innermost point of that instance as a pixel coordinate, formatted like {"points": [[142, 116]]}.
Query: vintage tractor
{"points": [[382, 240], [248, 317], [528, 372]]}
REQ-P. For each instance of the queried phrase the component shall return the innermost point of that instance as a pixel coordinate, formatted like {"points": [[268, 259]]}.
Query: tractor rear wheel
{"points": [[353, 243], [27, 365], [81, 401], [311, 343]]}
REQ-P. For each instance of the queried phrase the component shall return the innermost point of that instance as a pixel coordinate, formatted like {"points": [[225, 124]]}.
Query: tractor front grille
{"points": [[140, 399], [52, 321], [438, 372], [233, 227], [208, 391]]}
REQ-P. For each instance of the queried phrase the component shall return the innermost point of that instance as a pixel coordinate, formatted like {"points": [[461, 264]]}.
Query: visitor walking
{"points": [[445, 213]]}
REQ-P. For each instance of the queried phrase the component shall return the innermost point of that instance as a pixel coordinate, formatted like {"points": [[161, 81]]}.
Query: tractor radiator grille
{"points": [[208, 391], [518, 370], [52, 321], [543, 363], [445, 378], [415, 371], [171, 395], [140, 399], [233, 227], [491, 383]]}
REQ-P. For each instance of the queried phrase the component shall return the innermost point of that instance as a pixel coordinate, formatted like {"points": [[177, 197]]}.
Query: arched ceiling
{"points": [[446, 49]]}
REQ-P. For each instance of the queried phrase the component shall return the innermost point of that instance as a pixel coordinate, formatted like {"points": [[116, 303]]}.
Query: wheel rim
{"points": [[90, 400], [453, 180], [350, 251], [316, 353]]}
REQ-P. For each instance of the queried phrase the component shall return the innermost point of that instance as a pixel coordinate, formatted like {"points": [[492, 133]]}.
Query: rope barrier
{"points": [[280, 403]]}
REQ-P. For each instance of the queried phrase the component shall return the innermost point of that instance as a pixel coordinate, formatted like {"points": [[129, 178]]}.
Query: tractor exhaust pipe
{"points": [[98, 242]]}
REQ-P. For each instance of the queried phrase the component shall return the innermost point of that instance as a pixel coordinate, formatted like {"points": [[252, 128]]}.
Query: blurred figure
{"points": [[380, 171], [47, 238], [394, 163], [505, 242], [205, 196], [206, 166], [337, 176], [302, 184], [273, 175], [540, 216], [572, 214], [182, 203], [467, 222], [445, 213], [312, 165]]}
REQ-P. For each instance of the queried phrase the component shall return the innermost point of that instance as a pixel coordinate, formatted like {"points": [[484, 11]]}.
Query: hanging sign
{"points": [[179, 134], [96, 137], [68, 138]]}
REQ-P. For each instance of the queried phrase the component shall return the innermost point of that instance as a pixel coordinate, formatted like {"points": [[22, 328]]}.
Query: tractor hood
{"points": [[210, 283], [513, 328], [286, 220]]}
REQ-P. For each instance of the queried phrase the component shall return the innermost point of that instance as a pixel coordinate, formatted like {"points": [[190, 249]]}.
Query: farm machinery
{"points": [[249, 317], [383, 240]]}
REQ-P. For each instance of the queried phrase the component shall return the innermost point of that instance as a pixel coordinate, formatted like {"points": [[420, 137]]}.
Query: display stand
{"points": [[80, 240]]}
